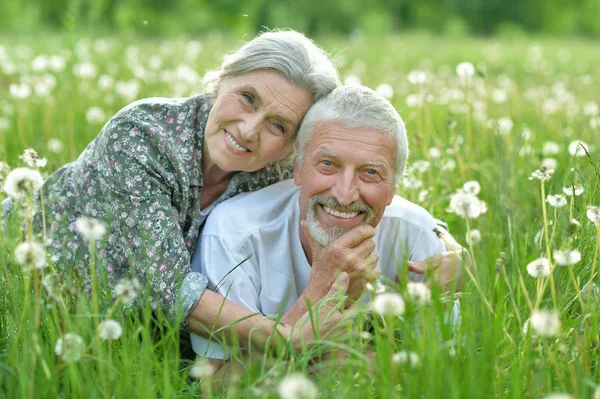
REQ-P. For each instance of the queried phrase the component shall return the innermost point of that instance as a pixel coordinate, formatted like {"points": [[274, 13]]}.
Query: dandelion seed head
{"points": [[539, 268], [466, 205], [578, 148], [386, 90], [472, 187], [127, 290], [90, 228], [418, 293], [55, 146], [70, 347], [593, 213], [574, 190], [567, 257], [21, 182], [549, 163], [110, 330], [542, 173], [556, 200], [465, 70], [406, 358], [297, 386], [474, 237], [389, 303], [53, 285], [558, 395], [31, 159], [545, 323], [95, 115], [435, 153], [31, 255]]}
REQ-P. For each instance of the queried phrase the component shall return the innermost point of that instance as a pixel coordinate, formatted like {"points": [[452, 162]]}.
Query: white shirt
{"points": [[265, 224]]}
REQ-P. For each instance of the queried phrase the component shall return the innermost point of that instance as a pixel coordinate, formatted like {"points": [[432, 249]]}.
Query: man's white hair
{"points": [[304, 63], [356, 107]]}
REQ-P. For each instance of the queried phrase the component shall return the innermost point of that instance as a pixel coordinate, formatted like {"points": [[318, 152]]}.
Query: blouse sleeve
{"points": [[140, 180]]}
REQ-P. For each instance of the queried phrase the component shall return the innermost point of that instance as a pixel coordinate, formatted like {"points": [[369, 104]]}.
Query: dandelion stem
{"points": [[548, 253]]}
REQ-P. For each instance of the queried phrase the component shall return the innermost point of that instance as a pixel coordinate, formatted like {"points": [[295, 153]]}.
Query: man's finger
{"points": [[355, 236]]}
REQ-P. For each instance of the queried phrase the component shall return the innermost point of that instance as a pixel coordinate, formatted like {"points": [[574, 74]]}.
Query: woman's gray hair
{"points": [[304, 63], [356, 107]]}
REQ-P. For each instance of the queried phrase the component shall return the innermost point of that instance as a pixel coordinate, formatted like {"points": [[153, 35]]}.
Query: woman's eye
{"points": [[249, 99]]}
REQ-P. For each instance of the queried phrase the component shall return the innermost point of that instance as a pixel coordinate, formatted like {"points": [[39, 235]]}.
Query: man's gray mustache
{"points": [[331, 202]]}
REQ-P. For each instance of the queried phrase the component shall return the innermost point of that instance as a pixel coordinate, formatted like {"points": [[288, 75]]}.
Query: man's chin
{"points": [[326, 236]]}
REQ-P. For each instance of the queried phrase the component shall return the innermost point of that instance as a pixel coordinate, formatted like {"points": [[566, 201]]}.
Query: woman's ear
{"points": [[215, 90]]}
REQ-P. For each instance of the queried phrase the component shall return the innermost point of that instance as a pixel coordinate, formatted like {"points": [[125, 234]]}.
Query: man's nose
{"points": [[250, 127], [345, 189]]}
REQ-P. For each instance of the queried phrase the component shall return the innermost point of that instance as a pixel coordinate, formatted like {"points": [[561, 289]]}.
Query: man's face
{"points": [[346, 179]]}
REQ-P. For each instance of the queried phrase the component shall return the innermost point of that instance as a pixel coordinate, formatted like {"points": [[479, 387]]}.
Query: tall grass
{"points": [[457, 128]]}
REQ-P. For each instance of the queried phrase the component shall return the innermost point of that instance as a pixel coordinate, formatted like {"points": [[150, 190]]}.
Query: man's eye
{"points": [[326, 162], [372, 172], [279, 127]]}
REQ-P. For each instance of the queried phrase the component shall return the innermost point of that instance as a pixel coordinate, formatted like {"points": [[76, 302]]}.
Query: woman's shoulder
{"points": [[161, 106]]}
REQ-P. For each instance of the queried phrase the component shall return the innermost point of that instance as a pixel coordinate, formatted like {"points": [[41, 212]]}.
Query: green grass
{"points": [[488, 355]]}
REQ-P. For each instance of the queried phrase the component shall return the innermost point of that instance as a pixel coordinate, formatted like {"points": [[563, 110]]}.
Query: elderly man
{"points": [[290, 239]]}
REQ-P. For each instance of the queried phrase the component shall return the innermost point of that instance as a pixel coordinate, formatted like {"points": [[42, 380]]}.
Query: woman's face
{"points": [[254, 120]]}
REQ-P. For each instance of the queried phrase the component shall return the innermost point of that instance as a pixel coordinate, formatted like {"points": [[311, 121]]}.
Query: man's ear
{"points": [[297, 173]]}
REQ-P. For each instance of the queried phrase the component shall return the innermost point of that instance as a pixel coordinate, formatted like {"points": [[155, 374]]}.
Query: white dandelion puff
{"points": [[557, 200], [55, 146], [21, 182], [567, 257], [110, 330], [201, 368], [20, 91], [388, 303], [418, 293], [297, 386], [95, 115], [70, 347], [465, 70], [90, 228], [558, 395], [31, 255], [539, 268], [406, 358], [127, 290], [31, 159], [578, 148], [549, 163], [542, 174], [593, 213], [545, 323], [472, 187], [575, 190], [386, 90], [474, 237], [466, 205]]}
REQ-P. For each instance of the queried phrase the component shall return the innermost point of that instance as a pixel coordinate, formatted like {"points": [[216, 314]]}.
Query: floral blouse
{"points": [[142, 176]]}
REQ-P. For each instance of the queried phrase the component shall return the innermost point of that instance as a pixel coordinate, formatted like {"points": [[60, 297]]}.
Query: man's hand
{"points": [[447, 266], [352, 253]]}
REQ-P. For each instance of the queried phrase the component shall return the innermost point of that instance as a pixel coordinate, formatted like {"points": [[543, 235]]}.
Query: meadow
{"points": [[517, 120]]}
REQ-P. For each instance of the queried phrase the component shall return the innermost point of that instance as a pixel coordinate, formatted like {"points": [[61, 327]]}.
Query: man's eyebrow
{"points": [[375, 163], [326, 153], [259, 102]]}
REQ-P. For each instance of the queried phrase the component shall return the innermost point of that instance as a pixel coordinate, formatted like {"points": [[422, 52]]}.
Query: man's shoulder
{"points": [[402, 210], [247, 212]]}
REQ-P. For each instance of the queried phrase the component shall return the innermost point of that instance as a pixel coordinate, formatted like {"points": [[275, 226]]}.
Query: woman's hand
{"points": [[324, 319]]}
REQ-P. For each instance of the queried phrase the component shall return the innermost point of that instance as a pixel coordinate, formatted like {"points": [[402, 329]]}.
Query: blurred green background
{"points": [[313, 17]]}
